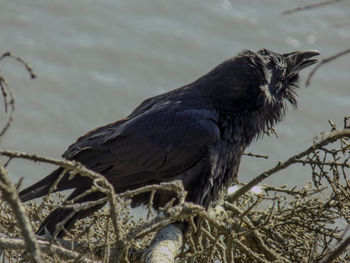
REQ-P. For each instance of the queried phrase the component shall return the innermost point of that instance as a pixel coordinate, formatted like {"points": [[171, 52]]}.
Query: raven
{"points": [[196, 133]]}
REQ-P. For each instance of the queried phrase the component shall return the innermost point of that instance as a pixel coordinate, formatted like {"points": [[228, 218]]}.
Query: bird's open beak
{"points": [[299, 60]]}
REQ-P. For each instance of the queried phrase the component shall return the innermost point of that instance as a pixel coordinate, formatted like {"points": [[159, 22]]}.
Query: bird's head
{"points": [[257, 81], [282, 73], [276, 81], [256, 85]]}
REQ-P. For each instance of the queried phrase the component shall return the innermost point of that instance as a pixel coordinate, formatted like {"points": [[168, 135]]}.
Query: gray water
{"points": [[97, 60]]}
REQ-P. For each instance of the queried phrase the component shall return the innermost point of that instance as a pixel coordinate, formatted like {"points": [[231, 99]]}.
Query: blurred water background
{"points": [[97, 60]]}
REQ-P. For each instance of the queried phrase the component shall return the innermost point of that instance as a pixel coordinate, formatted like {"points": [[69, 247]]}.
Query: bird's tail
{"points": [[42, 187], [62, 219]]}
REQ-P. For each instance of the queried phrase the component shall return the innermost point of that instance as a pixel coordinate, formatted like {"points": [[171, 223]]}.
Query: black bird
{"points": [[196, 133]]}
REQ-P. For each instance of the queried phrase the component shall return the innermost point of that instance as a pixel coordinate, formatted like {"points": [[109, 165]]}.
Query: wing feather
{"points": [[156, 145]]}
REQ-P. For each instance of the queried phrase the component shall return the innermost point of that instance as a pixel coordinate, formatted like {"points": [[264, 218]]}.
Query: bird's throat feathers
{"points": [[246, 127]]}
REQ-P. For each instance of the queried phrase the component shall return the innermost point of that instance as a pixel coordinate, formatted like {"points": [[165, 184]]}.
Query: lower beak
{"points": [[301, 59]]}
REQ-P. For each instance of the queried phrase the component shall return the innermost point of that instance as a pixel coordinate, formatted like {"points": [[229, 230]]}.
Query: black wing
{"points": [[154, 146]]}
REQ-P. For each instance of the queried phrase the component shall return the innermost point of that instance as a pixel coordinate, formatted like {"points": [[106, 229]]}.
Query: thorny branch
{"points": [[332, 137], [45, 246], [10, 195]]}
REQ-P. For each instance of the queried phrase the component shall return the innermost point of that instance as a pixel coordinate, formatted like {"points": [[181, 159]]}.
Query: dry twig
{"points": [[310, 6], [324, 61]]}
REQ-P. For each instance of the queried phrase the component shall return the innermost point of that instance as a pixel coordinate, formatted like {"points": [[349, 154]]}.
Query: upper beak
{"points": [[301, 59]]}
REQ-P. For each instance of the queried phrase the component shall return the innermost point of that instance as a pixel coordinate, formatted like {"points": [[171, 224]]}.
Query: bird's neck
{"points": [[244, 127]]}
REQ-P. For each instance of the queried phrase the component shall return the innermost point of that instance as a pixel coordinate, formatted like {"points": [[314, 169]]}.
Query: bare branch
{"points": [[324, 61], [45, 246], [11, 101], [10, 195], [336, 252], [280, 166], [310, 6], [165, 246], [256, 155], [27, 66], [6, 91]]}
